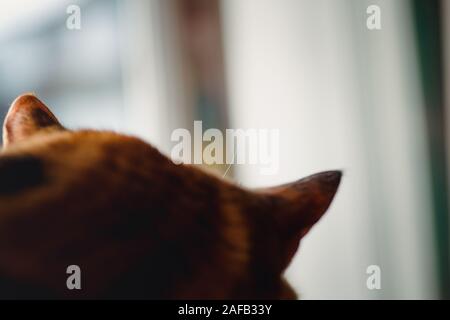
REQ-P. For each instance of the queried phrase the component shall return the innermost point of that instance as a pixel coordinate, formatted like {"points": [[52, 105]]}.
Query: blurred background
{"points": [[374, 103]]}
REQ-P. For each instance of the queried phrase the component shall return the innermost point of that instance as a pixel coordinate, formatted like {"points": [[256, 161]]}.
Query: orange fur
{"points": [[138, 225]]}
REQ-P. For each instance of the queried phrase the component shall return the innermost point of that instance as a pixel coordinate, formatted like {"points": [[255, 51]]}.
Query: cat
{"points": [[138, 225]]}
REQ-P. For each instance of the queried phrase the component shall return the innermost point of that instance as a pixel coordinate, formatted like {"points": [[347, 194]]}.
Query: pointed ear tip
{"points": [[24, 99], [327, 180], [331, 179], [333, 175], [27, 115]]}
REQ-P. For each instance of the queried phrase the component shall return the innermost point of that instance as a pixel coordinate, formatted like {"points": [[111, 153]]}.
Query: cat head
{"points": [[178, 230]]}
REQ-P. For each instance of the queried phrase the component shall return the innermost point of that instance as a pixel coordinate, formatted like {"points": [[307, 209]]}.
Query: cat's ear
{"points": [[26, 116], [297, 206]]}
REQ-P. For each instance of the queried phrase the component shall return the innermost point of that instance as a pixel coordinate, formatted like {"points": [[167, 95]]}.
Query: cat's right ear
{"points": [[295, 207], [26, 116]]}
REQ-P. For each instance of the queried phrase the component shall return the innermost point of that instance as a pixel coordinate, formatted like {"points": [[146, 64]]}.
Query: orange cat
{"points": [[136, 224]]}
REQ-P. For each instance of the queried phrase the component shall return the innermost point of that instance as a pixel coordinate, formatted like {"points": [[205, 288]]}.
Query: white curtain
{"points": [[343, 97]]}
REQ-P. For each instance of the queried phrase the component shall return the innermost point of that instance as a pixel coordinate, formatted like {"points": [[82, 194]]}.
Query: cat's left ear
{"points": [[26, 116]]}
